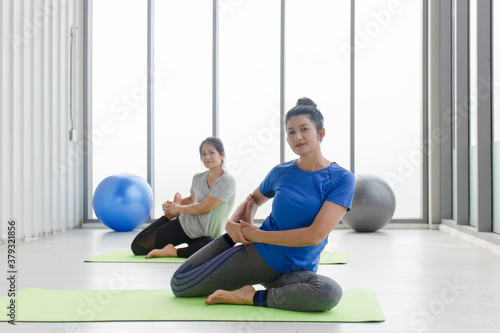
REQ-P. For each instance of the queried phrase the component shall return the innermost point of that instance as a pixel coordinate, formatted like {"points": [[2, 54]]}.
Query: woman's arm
{"points": [[246, 210], [188, 200], [327, 219], [203, 207], [178, 199], [259, 198], [239, 211]]}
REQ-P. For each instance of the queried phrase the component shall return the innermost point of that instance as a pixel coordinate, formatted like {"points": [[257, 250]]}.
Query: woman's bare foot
{"points": [[243, 296], [167, 251], [250, 210], [178, 198]]}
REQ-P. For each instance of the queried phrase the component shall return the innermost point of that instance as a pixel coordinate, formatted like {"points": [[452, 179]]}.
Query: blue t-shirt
{"points": [[298, 197]]}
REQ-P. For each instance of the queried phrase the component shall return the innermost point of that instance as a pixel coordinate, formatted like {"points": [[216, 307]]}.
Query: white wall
{"points": [[41, 169]]}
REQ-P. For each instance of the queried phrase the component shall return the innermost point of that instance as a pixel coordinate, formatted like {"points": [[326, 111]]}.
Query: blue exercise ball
{"points": [[373, 204], [123, 202]]}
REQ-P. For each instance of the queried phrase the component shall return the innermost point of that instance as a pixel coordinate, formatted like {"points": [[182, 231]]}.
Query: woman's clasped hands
{"points": [[170, 209], [241, 232]]}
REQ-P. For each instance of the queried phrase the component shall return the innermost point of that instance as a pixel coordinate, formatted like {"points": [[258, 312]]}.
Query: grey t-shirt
{"points": [[212, 223]]}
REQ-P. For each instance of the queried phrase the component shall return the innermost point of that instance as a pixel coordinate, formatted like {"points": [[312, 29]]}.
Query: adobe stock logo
{"points": [[419, 321], [249, 148], [228, 6]]}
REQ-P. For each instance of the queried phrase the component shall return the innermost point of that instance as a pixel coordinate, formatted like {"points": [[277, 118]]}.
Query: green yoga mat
{"points": [[40, 305], [126, 255]]}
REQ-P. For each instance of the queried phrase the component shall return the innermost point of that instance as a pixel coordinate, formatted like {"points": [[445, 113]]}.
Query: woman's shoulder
{"points": [[200, 175], [227, 177], [226, 181], [341, 174], [279, 169], [285, 165], [340, 169]]}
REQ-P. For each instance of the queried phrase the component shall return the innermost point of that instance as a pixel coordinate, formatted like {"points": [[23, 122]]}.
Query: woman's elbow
{"points": [[315, 239]]}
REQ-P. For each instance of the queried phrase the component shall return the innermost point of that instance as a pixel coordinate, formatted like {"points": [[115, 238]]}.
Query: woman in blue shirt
{"points": [[310, 196]]}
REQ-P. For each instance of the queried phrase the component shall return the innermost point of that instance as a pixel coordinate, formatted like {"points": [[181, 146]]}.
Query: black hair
{"points": [[215, 142], [306, 106]]}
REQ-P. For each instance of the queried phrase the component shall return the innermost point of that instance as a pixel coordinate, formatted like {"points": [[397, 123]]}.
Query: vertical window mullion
{"points": [[282, 83], [352, 139], [484, 179], [446, 101], [150, 96], [87, 107], [425, 111], [495, 118], [461, 109], [215, 69]]}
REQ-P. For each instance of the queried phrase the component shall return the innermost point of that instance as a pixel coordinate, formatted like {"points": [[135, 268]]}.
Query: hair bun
{"points": [[306, 101]]}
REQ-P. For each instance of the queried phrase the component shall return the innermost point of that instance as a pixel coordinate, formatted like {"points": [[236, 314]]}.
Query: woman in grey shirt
{"points": [[197, 219]]}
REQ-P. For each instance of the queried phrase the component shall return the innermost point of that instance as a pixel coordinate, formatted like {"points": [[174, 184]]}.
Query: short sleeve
{"points": [[267, 185], [191, 191], [223, 190], [343, 191]]}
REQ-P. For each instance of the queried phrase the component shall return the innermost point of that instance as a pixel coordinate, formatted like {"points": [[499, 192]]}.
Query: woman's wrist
{"points": [[252, 234]]}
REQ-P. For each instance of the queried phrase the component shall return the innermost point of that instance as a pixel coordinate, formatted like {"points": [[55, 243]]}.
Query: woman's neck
{"points": [[312, 162], [215, 172]]}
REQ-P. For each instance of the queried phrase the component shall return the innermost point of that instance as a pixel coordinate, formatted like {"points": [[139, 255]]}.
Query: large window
{"points": [[182, 93], [317, 53], [119, 89], [388, 98], [236, 77], [249, 83]]}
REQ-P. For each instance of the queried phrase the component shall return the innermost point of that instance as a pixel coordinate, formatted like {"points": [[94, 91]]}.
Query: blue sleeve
{"points": [[267, 185], [343, 191]]}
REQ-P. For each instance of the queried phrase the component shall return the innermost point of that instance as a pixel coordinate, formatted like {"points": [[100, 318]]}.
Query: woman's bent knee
{"points": [[138, 250], [177, 289], [180, 290], [183, 285], [331, 293]]}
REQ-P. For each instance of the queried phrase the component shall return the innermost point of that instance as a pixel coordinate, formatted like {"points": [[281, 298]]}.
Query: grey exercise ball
{"points": [[372, 206]]}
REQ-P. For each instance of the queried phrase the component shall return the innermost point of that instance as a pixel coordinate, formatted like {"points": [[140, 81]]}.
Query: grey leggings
{"points": [[219, 265]]}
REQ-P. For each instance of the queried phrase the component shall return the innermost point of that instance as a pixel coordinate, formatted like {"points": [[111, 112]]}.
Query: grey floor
{"points": [[425, 281]]}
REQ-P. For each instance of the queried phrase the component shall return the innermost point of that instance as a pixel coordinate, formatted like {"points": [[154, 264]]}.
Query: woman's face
{"points": [[302, 135], [210, 156]]}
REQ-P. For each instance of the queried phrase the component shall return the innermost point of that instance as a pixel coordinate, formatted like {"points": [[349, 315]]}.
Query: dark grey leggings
{"points": [[219, 265], [164, 231]]}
